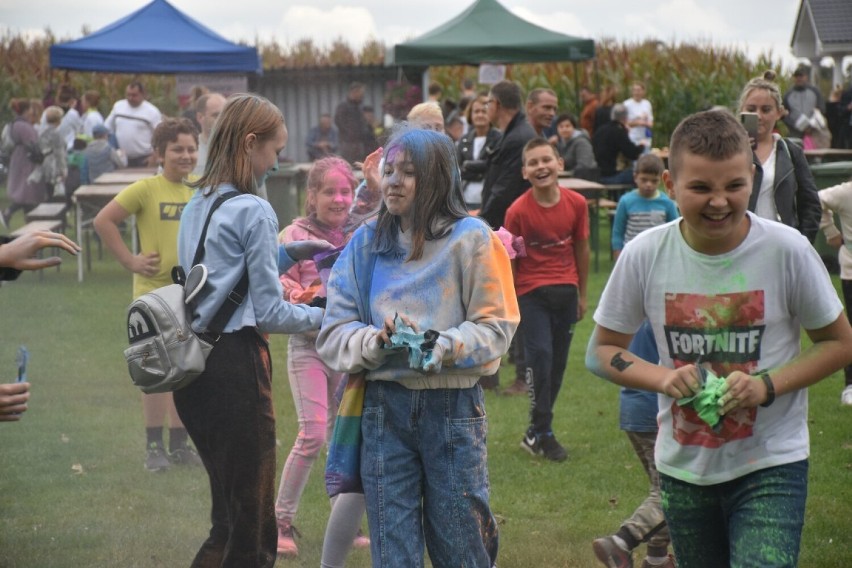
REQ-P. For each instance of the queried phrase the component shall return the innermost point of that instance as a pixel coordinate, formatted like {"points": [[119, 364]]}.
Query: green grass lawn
{"points": [[73, 492]]}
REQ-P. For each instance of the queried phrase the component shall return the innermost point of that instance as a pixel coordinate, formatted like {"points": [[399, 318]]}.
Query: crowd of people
{"points": [[430, 241]]}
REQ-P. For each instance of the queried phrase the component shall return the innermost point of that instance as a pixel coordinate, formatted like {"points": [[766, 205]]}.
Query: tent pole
{"points": [[425, 85], [577, 89]]}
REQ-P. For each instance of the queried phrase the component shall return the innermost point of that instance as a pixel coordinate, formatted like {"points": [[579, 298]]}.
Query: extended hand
{"points": [[20, 252], [372, 175], [307, 250]]}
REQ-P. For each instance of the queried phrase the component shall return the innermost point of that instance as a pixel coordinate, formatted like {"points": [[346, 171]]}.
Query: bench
{"points": [[34, 226], [50, 211]]}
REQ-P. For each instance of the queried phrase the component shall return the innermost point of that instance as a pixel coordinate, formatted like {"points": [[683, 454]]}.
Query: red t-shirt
{"points": [[549, 235]]}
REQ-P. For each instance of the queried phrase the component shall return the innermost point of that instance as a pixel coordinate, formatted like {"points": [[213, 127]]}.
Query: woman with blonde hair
{"points": [[228, 409], [473, 150], [427, 115], [784, 188]]}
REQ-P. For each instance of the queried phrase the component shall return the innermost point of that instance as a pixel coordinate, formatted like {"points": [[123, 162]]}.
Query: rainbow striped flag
{"points": [[343, 467]]}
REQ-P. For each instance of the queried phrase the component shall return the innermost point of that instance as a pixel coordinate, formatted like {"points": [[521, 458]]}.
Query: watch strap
{"points": [[770, 388]]}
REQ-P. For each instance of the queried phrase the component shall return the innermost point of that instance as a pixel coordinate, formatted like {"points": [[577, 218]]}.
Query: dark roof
{"points": [[832, 19]]}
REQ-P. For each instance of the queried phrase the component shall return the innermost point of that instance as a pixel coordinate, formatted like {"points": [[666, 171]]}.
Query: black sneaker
{"points": [[185, 456], [551, 449], [532, 443], [157, 459]]}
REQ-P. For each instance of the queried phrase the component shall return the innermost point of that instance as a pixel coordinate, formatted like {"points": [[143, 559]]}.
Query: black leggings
{"points": [[846, 287]]}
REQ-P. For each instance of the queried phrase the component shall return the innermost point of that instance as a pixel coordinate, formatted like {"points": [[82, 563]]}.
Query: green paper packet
{"points": [[706, 401]]}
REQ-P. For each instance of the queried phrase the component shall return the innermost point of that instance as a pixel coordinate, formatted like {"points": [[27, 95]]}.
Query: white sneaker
{"points": [[846, 396]]}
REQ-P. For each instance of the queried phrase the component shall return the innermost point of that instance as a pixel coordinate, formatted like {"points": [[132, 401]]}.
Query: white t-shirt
{"points": [[838, 199], [636, 110], [473, 189], [744, 310], [202, 157], [91, 119], [765, 206], [133, 127]]}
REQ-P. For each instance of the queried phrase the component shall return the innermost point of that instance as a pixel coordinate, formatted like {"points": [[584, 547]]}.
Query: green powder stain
{"points": [[706, 401]]}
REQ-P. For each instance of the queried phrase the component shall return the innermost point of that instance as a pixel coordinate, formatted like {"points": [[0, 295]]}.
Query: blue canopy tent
{"points": [[157, 38]]}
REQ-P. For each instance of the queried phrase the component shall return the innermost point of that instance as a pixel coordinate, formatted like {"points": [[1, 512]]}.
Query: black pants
{"points": [[548, 315], [846, 287], [229, 416]]}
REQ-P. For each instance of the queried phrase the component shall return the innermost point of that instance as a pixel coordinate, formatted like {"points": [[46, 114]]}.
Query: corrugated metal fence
{"points": [[304, 94]]}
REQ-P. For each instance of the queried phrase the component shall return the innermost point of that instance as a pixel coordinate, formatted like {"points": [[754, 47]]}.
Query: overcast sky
{"points": [[754, 25]]}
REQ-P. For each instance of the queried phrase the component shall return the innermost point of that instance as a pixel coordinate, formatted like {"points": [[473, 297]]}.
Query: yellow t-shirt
{"points": [[157, 204]]}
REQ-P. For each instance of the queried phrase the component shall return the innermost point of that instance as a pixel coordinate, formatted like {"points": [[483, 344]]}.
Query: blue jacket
{"points": [[243, 235]]}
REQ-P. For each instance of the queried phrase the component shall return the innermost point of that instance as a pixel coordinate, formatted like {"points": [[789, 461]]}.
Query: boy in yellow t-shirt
{"points": [[157, 203]]}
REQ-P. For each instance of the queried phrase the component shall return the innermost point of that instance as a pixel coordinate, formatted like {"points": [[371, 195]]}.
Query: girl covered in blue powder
{"points": [[423, 457]]}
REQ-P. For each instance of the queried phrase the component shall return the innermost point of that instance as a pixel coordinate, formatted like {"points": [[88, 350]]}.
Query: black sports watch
{"points": [[770, 388]]}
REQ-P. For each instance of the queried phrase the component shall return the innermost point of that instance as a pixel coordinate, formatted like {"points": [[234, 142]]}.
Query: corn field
{"points": [[680, 78]]}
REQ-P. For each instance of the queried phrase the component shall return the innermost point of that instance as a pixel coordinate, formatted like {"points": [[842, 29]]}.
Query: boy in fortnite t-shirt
{"points": [[731, 292]]}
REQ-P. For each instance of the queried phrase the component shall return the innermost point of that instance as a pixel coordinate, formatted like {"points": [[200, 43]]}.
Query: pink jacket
{"points": [[302, 282]]}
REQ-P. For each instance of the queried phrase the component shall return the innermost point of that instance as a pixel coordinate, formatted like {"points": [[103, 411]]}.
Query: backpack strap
{"points": [[235, 296]]}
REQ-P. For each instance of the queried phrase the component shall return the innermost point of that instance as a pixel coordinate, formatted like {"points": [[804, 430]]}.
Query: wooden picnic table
{"points": [[596, 195], [89, 200], [820, 155], [124, 176]]}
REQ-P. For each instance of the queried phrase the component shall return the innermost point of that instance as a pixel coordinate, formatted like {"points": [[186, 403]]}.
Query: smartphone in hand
{"points": [[749, 122]]}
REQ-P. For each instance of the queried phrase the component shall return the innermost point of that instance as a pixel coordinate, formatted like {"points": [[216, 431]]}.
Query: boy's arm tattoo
{"points": [[619, 363]]}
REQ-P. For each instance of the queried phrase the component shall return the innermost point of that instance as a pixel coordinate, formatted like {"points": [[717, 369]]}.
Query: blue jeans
{"points": [[638, 408], [548, 314], [425, 473], [755, 520]]}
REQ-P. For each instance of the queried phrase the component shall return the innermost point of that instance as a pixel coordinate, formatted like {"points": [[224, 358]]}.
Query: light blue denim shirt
{"points": [[243, 234]]}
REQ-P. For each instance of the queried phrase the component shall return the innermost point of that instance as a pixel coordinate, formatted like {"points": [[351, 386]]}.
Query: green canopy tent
{"points": [[488, 33]]}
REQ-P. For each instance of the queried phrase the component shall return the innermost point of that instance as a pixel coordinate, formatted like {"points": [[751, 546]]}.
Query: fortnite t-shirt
{"points": [[742, 310], [157, 204]]}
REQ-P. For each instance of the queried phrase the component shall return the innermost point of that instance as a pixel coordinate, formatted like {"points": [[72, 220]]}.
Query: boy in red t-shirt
{"points": [[551, 284]]}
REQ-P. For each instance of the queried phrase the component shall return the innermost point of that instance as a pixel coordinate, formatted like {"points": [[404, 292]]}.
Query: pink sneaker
{"points": [[610, 554], [286, 539], [360, 541]]}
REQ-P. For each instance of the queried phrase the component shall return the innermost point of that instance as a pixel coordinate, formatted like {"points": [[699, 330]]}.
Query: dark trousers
{"points": [[229, 416], [548, 315], [846, 287]]}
